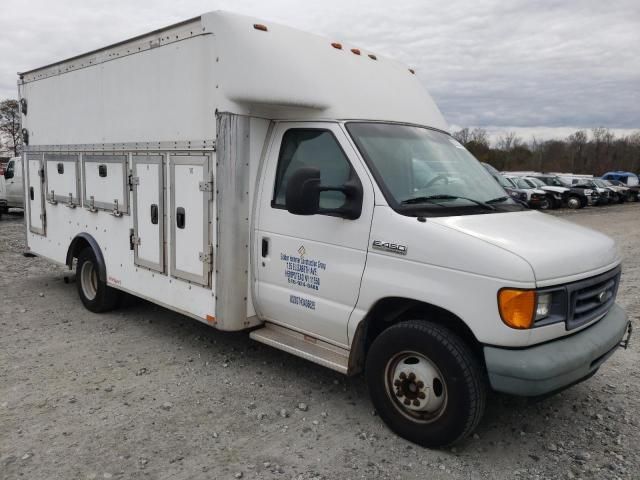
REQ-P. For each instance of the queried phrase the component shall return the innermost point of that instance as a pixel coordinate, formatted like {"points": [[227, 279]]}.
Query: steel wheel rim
{"points": [[89, 280], [574, 203], [416, 387]]}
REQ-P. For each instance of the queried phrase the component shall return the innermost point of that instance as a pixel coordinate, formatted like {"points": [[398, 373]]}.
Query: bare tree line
{"points": [[10, 130], [580, 152]]}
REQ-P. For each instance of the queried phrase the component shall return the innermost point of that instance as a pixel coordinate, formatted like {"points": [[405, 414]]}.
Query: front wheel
{"points": [[574, 203], [425, 383], [94, 293]]}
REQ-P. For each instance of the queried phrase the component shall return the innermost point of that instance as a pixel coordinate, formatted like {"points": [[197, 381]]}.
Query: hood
{"points": [[555, 248], [550, 188]]}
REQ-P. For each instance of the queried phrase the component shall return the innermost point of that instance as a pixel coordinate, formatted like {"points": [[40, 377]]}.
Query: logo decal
{"points": [[389, 247], [604, 296], [302, 250]]}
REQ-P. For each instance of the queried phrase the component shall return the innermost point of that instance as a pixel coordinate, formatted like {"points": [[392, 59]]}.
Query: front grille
{"points": [[591, 298]]}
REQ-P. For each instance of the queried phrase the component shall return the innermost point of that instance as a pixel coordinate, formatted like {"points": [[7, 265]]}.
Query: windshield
{"points": [[599, 183], [552, 181], [421, 168], [536, 182]]}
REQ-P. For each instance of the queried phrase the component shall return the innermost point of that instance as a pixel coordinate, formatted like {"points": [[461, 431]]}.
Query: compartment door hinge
{"points": [[134, 240], [133, 181], [207, 186], [207, 256]]}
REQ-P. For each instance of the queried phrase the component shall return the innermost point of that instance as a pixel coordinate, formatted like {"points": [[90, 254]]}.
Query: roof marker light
{"points": [[337, 45], [259, 26], [372, 57], [356, 51]]}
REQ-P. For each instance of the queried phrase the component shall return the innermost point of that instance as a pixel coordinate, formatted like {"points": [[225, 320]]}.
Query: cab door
{"points": [[309, 268]]}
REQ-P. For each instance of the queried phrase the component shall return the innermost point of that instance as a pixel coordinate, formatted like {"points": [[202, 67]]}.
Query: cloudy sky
{"points": [[543, 67]]}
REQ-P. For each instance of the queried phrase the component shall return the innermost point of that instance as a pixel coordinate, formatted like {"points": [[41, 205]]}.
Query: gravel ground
{"points": [[146, 393]]}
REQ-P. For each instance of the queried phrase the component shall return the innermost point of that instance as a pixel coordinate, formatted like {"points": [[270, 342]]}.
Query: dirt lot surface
{"points": [[146, 393]]}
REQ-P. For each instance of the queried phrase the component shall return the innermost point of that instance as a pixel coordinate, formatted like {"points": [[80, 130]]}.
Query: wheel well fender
{"points": [[79, 243], [391, 310]]}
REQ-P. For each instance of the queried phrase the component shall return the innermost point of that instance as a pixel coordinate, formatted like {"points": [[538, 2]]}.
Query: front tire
{"points": [[425, 383], [94, 293], [574, 202]]}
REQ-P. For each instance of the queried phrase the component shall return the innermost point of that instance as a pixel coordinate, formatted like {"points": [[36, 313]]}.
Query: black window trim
{"points": [[353, 174]]}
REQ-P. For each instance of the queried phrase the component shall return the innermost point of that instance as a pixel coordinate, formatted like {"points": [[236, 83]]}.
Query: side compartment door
{"points": [[62, 179], [148, 211], [191, 194], [35, 193]]}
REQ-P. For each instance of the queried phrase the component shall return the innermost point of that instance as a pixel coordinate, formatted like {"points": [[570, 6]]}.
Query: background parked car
{"points": [[607, 195], [620, 189], [536, 197], [626, 179], [563, 194]]}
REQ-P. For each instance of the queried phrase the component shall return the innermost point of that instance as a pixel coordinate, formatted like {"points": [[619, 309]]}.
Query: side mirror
{"points": [[302, 196]]}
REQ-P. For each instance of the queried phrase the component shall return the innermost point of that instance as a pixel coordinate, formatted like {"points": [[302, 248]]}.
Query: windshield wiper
{"points": [[432, 198]]}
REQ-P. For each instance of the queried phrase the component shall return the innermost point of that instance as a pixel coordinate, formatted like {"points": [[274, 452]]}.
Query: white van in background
{"points": [[255, 177], [12, 185]]}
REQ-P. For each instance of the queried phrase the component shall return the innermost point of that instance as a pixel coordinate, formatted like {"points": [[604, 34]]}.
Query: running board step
{"points": [[304, 346]]}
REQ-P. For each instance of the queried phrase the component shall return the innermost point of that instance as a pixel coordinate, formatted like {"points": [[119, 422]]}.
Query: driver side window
{"points": [[312, 148]]}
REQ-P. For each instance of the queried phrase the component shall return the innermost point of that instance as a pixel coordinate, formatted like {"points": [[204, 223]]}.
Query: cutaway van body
{"points": [[259, 178]]}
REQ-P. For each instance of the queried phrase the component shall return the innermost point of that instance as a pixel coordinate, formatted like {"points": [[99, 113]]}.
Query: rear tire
{"points": [[94, 293], [425, 383]]}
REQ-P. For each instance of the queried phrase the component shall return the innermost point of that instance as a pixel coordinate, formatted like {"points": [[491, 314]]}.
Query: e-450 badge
{"points": [[390, 247]]}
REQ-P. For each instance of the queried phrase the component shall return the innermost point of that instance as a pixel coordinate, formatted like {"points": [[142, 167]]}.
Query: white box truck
{"points": [[255, 177]]}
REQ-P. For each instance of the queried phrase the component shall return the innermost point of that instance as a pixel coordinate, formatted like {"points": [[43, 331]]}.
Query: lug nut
{"points": [[416, 403], [407, 401], [422, 395], [412, 376]]}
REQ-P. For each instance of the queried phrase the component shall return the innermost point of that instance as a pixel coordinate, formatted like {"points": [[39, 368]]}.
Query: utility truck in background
{"points": [[255, 177]]}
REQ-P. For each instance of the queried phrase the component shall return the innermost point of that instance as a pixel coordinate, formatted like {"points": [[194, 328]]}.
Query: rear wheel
{"points": [[425, 383], [94, 293]]}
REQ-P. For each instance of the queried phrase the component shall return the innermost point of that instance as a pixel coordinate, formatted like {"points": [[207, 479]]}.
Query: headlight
{"points": [[588, 192], [543, 306]]}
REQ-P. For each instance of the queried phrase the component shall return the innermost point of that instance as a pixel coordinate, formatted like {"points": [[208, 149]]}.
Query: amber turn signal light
{"points": [[517, 307]]}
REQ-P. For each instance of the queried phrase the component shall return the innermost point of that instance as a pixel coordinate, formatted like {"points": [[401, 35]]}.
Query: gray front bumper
{"points": [[542, 369]]}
